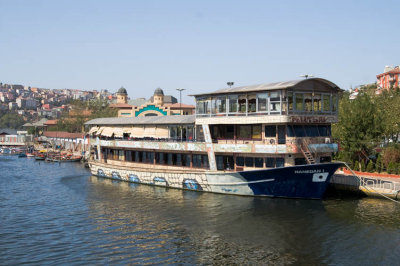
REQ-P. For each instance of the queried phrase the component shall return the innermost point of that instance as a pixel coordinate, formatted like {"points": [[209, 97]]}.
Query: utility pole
{"points": [[180, 100]]}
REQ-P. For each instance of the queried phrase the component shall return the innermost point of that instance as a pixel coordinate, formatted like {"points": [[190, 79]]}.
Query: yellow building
{"points": [[158, 105]]}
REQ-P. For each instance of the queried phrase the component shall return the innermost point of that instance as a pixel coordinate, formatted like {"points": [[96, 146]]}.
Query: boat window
{"points": [[308, 102], [249, 161], [220, 105], [186, 160], [290, 131], [233, 103], [325, 159], [280, 162], [299, 102], [334, 103], [251, 102], [170, 159], [326, 102], [220, 162], [311, 131], [258, 162], [179, 159], [242, 104], [161, 158], [270, 162], [262, 102], [256, 132], [197, 160], [239, 161], [270, 131], [317, 105], [275, 102], [290, 100], [244, 131], [299, 131], [300, 161], [205, 161], [138, 156]]}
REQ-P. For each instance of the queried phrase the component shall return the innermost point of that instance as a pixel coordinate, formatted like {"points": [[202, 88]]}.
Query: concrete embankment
{"points": [[370, 184]]}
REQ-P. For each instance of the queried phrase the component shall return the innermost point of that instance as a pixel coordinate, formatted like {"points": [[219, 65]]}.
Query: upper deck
{"points": [[311, 100]]}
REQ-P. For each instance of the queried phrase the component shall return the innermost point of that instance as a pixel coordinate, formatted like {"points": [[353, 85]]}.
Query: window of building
{"points": [[249, 161], [275, 101], [317, 104], [290, 100], [220, 105], [233, 103], [251, 102], [239, 161], [242, 104], [262, 102], [312, 131], [270, 131], [256, 132], [299, 102], [334, 103], [204, 161], [258, 162], [270, 162], [280, 162], [308, 102], [326, 103], [244, 131], [325, 159]]}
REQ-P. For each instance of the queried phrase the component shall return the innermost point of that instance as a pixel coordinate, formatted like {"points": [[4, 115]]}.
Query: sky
{"points": [[195, 45]]}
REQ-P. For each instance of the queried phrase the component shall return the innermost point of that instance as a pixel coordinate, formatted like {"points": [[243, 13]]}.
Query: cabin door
{"points": [[282, 134]]}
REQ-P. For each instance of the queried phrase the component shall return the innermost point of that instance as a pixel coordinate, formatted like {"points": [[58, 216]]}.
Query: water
{"points": [[60, 214]]}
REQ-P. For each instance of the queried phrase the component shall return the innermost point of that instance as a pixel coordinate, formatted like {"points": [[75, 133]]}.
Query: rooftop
{"points": [[272, 86]]}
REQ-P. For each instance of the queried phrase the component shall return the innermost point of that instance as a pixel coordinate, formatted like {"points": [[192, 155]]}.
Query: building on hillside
{"points": [[50, 125], [389, 78], [158, 105]]}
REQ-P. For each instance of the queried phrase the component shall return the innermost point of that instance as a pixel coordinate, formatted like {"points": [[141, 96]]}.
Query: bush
{"points": [[379, 164], [362, 166], [391, 154], [356, 166], [391, 168], [370, 166]]}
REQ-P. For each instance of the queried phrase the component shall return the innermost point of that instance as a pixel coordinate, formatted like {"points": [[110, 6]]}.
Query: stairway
{"points": [[306, 152]]}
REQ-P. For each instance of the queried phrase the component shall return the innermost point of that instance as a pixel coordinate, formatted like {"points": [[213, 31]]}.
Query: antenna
{"points": [[306, 76], [230, 83]]}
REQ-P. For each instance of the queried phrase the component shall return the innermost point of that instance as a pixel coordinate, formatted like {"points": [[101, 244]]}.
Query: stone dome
{"points": [[122, 90], [158, 92]]}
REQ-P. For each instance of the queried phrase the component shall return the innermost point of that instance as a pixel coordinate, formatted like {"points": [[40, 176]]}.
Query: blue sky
{"points": [[196, 45]]}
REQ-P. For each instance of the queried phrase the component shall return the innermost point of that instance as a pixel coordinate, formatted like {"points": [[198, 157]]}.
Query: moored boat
{"points": [[264, 140]]}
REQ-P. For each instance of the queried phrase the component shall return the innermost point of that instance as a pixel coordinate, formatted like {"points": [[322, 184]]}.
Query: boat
{"points": [[271, 140], [21, 155]]}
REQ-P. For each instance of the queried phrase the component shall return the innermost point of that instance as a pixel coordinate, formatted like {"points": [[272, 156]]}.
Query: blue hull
{"points": [[303, 181]]}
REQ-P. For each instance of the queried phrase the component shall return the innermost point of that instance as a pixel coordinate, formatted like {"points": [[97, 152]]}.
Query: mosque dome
{"points": [[122, 90], [158, 92]]}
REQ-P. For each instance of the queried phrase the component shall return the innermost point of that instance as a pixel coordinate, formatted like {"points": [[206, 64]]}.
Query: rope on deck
{"points": [[363, 184]]}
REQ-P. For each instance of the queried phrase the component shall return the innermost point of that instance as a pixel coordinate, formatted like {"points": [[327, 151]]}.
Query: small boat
{"points": [[21, 155], [30, 155]]}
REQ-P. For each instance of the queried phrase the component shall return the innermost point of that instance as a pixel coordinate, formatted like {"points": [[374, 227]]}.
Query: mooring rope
{"points": [[363, 184]]}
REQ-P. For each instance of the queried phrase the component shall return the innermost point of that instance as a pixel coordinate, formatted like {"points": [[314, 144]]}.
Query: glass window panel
{"points": [[270, 131], [323, 131], [329, 132], [334, 103], [270, 162], [249, 161], [187, 160], [262, 102], [259, 162], [205, 161], [242, 104], [299, 101], [257, 132], [317, 105], [251, 103], [245, 131], [311, 131], [230, 131], [290, 100], [290, 131], [275, 107], [233, 103], [275, 96], [308, 102], [220, 162], [239, 161], [299, 131], [326, 103], [280, 162]]}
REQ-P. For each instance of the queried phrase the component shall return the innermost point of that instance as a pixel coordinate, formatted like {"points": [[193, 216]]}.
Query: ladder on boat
{"points": [[306, 152]]}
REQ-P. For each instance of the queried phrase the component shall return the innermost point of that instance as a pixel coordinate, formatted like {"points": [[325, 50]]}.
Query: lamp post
{"points": [[180, 100], [230, 84]]}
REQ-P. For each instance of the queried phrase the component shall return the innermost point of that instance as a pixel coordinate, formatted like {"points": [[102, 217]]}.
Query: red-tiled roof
{"points": [[393, 71], [63, 135], [51, 122]]}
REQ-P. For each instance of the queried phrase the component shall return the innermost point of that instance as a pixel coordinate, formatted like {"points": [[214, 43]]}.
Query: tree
{"points": [[11, 120], [360, 126], [370, 166]]}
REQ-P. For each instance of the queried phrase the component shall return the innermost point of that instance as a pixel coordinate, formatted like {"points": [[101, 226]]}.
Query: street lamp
{"points": [[230, 83], [306, 76], [180, 99]]}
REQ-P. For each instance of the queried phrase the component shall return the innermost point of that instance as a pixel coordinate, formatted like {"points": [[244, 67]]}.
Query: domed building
{"points": [[158, 105]]}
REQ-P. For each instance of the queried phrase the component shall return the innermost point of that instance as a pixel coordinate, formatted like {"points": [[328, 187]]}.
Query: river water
{"points": [[60, 214]]}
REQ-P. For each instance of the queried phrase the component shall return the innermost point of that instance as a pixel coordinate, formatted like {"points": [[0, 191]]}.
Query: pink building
{"points": [[389, 78]]}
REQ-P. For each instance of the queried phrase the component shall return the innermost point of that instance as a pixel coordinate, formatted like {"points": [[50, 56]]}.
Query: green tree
{"points": [[370, 166], [356, 165], [11, 120], [379, 163], [391, 168]]}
